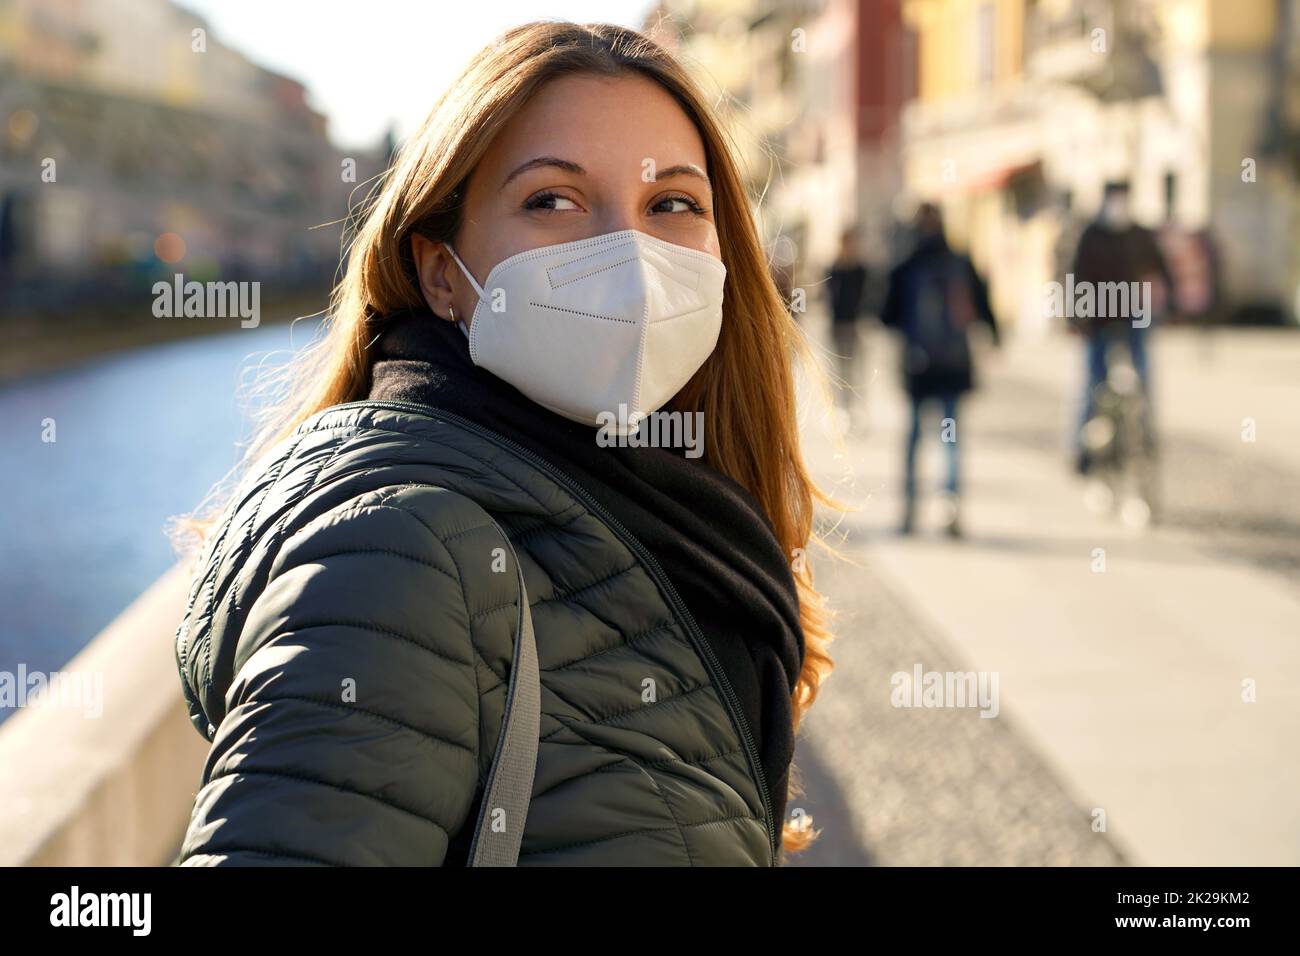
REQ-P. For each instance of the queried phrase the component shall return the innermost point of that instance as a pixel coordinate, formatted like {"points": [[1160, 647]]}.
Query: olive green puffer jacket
{"points": [[347, 651]]}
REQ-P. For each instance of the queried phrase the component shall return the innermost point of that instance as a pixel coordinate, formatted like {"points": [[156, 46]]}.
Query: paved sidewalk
{"points": [[1121, 690], [922, 787]]}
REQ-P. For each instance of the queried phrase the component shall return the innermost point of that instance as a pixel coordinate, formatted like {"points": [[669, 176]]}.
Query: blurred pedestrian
{"points": [[934, 297], [846, 283], [1197, 271], [1115, 249]]}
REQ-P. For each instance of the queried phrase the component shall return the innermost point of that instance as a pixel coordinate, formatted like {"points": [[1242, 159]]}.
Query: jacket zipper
{"points": [[693, 629]]}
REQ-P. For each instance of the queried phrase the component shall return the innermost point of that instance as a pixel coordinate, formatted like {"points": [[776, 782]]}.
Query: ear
{"points": [[432, 265]]}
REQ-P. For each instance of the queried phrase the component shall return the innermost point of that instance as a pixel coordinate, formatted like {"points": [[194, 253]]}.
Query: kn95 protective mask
{"points": [[583, 327]]}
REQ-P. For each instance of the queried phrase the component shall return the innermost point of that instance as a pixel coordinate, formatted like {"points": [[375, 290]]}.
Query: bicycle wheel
{"points": [[1137, 463]]}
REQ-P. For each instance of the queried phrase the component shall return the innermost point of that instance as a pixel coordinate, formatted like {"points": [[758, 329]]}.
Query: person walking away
{"points": [[934, 296], [1115, 249], [846, 284]]}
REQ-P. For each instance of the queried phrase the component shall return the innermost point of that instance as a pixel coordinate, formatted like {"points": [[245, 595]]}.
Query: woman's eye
{"points": [[678, 204], [549, 201]]}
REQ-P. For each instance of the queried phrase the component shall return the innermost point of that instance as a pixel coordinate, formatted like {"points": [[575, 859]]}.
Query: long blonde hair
{"points": [[746, 389]]}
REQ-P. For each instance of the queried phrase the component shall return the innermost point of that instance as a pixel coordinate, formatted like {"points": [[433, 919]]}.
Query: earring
{"points": [[452, 309]]}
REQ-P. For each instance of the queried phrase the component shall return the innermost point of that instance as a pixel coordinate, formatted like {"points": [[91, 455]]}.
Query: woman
{"points": [[567, 233]]}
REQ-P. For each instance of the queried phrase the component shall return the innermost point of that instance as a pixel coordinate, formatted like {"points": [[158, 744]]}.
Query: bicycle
{"points": [[1118, 440]]}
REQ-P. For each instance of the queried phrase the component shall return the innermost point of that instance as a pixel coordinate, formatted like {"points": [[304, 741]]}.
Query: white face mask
{"points": [[582, 327], [1115, 212]]}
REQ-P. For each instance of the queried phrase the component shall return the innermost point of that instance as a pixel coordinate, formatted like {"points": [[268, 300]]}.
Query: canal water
{"points": [[139, 437]]}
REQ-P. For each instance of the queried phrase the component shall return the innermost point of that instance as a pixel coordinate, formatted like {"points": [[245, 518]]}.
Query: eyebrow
{"points": [[565, 164], [682, 169]]}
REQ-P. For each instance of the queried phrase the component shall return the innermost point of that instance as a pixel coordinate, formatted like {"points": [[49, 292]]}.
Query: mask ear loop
{"points": [[478, 289]]}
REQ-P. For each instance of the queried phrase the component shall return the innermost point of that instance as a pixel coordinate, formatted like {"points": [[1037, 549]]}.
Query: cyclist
{"points": [[1114, 249]]}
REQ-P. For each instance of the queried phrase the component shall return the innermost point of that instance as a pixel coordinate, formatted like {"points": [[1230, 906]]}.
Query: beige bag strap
{"points": [[509, 788]]}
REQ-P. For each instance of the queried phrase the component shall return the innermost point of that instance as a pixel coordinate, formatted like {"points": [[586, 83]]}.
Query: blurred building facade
{"points": [[121, 123], [1013, 114], [1027, 107], [816, 89]]}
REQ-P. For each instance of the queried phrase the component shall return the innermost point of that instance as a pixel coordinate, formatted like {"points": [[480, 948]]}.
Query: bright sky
{"points": [[373, 63]]}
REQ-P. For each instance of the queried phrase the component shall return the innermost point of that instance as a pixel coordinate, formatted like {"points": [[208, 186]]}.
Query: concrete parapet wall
{"points": [[114, 789]]}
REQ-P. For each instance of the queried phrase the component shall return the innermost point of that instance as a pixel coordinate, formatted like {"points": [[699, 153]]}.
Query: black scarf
{"points": [[709, 534]]}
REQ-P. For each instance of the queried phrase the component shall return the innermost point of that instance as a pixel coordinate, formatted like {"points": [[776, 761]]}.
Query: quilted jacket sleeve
{"points": [[351, 732]]}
